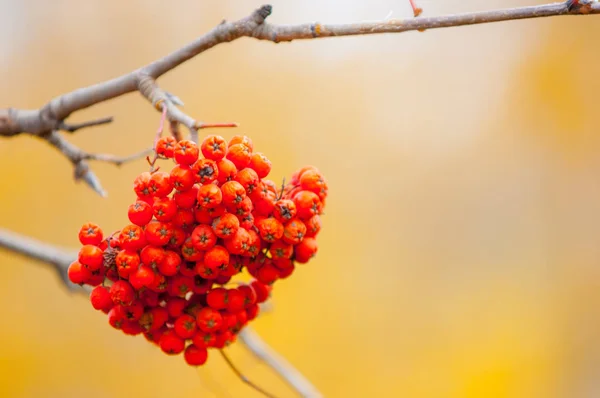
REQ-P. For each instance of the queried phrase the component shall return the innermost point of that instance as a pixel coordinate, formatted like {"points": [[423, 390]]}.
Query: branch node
{"points": [[262, 13]]}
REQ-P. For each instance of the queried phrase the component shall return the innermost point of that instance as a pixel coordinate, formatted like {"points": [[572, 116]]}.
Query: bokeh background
{"points": [[459, 256]]}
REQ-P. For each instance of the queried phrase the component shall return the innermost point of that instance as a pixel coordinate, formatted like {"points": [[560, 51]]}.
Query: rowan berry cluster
{"points": [[167, 275]]}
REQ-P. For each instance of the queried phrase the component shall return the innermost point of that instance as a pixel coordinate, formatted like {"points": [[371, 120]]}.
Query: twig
{"points": [[416, 10], [79, 158], [60, 259], [278, 364], [71, 128], [243, 378], [118, 160]]}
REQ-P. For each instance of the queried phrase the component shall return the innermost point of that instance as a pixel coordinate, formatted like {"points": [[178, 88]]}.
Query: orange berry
{"points": [[209, 196], [241, 139], [240, 155], [214, 147], [261, 164]]}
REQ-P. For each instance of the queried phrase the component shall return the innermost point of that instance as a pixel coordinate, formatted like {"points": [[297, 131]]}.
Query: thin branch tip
{"points": [[263, 12], [71, 128]]}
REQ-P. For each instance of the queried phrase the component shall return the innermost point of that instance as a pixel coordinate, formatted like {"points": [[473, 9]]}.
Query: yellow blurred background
{"points": [[459, 256]]}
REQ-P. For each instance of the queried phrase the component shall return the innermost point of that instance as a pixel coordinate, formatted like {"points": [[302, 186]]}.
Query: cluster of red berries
{"points": [[167, 274]]}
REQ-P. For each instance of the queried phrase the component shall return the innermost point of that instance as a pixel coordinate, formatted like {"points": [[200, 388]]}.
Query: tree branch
{"points": [[50, 116], [60, 259], [31, 248], [44, 122]]}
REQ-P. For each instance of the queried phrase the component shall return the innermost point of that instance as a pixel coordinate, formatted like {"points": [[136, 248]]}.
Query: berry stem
{"points": [[243, 378], [161, 126], [416, 10]]}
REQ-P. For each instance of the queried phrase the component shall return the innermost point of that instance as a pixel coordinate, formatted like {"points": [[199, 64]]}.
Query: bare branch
{"points": [[278, 364], [71, 128], [58, 258], [44, 122], [50, 116]]}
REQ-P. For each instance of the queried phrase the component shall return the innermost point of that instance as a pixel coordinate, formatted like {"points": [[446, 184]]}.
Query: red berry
{"points": [[116, 316], [191, 252], [90, 234], [294, 232], [91, 256], [209, 196], [180, 285], [142, 277], [285, 210], [239, 243], [134, 311], [249, 295], [270, 229], [154, 318], [141, 185], [201, 285], [184, 219], [313, 226], [206, 271], [127, 261], [217, 257], [195, 356], [186, 199], [158, 233], [186, 152], [217, 298], [152, 255], [203, 237], [170, 343], [203, 339], [165, 146], [226, 226], [205, 171], [241, 139], [122, 293], [260, 164], [160, 184], [140, 213], [236, 302], [175, 306], [268, 273], [305, 250], [164, 209], [214, 147], [170, 263], [252, 311], [182, 177], [209, 320], [281, 250], [262, 291], [232, 193], [100, 298], [185, 326], [78, 274], [227, 171], [132, 238], [307, 204], [248, 178]]}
